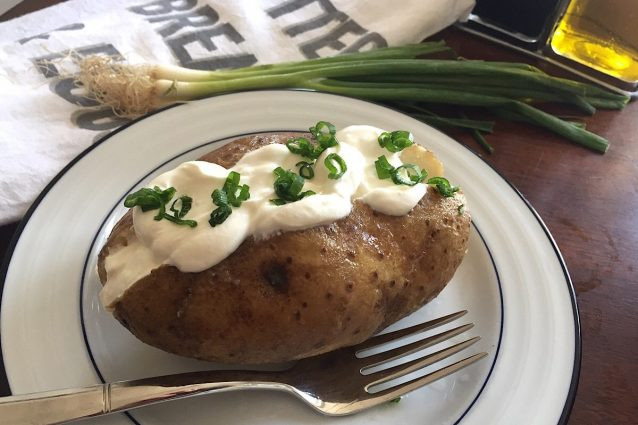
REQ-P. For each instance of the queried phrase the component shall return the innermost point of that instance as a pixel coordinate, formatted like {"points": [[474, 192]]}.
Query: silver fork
{"points": [[334, 383]]}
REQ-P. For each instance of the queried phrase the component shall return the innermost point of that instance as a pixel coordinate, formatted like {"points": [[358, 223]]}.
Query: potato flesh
{"points": [[425, 159], [300, 293]]}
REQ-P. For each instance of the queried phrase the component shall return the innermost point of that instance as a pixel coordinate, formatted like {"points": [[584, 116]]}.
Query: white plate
{"points": [[513, 280]]}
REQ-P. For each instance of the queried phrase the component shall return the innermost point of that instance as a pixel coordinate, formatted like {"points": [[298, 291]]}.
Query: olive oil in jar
{"points": [[602, 34]]}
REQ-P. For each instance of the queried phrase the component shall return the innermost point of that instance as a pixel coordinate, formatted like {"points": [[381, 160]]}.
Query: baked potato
{"points": [[299, 293]]}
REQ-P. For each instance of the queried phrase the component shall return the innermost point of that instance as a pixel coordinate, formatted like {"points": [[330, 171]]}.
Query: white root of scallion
{"points": [[130, 90]]}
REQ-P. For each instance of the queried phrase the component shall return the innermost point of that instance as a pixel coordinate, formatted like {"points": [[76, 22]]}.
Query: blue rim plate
{"points": [[513, 279]]}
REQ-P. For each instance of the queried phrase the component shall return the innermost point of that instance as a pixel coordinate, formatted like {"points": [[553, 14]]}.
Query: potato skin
{"points": [[299, 293]]}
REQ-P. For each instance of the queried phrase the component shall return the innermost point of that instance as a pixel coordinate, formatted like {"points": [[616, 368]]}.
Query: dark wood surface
{"points": [[589, 203]]}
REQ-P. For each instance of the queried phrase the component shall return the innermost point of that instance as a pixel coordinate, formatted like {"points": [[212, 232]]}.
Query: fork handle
{"points": [[53, 407]]}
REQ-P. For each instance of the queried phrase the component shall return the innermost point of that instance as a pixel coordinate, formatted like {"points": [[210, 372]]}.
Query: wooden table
{"points": [[587, 201]]}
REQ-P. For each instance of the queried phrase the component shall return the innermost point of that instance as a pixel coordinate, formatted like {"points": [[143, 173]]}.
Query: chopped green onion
{"points": [[219, 215], [408, 174], [149, 199], [443, 186], [219, 197], [395, 141], [461, 209], [156, 199], [287, 184], [232, 181], [185, 203], [232, 187], [324, 132], [330, 162], [306, 171], [323, 128], [231, 193], [302, 146], [288, 187], [384, 168]]}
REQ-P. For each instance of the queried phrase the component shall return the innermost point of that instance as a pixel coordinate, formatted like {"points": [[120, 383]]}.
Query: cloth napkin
{"points": [[45, 121]]}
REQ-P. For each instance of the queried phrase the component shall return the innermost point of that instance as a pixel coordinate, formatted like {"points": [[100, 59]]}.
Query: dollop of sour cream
{"points": [[196, 249]]}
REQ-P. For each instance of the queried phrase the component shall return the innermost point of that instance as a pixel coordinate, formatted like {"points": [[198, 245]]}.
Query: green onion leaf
{"points": [[165, 195], [324, 132], [161, 213], [323, 128], [156, 199], [235, 193], [244, 193], [185, 203], [330, 162], [306, 171], [280, 172], [231, 193], [395, 141], [176, 220], [296, 184], [384, 168], [302, 146], [144, 198], [408, 174], [219, 197], [443, 186], [232, 181], [288, 187], [384, 139], [219, 215]]}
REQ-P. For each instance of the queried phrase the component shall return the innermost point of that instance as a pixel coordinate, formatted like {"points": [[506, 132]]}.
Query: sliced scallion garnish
{"points": [[302, 146], [333, 161], [323, 132], [443, 186], [395, 141], [408, 174], [219, 215], [157, 199], [288, 187], [235, 192], [384, 168], [305, 169], [185, 203], [231, 194]]}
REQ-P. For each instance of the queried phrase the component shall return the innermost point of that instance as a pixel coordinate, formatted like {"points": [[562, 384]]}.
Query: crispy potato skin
{"points": [[301, 293]]}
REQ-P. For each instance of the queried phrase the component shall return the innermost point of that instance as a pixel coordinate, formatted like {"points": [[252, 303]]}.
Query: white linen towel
{"points": [[44, 120]]}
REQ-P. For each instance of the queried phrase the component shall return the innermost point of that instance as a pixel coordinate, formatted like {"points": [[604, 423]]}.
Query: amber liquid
{"points": [[602, 34]]}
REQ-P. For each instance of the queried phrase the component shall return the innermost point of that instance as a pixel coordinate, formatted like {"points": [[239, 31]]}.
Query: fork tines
{"points": [[377, 378]]}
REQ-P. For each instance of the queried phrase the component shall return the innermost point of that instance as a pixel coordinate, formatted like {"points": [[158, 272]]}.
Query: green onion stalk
{"points": [[394, 74]]}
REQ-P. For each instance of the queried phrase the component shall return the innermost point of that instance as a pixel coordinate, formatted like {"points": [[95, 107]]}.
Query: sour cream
{"points": [[199, 248]]}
